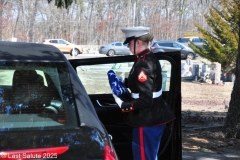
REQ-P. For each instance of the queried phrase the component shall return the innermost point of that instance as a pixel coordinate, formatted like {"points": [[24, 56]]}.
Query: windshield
{"points": [[35, 95]]}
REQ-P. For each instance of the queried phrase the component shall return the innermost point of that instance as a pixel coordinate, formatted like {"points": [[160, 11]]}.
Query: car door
{"points": [[126, 50], [118, 48], [64, 46], [198, 42], [182, 48], [166, 46], [57, 44], [93, 74], [121, 49]]}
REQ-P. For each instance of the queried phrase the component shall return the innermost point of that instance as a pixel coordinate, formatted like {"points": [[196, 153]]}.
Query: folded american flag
{"points": [[117, 86]]}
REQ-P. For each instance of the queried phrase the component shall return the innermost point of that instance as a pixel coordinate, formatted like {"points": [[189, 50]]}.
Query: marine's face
{"points": [[131, 46], [138, 46]]}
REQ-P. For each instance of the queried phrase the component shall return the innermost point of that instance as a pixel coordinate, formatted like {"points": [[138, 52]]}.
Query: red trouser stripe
{"points": [[141, 143]]}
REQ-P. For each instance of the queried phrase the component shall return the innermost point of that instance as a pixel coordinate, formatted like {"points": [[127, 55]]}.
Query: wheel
{"points": [[190, 56], [76, 52], [111, 53]]}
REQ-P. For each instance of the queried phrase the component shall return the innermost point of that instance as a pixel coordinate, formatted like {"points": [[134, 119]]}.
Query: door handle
{"points": [[106, 104]]}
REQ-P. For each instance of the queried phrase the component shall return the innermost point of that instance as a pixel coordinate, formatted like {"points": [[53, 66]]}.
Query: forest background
{"points": [[97, 22]]}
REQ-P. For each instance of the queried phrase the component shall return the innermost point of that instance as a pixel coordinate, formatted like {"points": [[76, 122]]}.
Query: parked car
{"points": [[198, 42], [184, 40], [171, 46], [115, 48], [64, 46], [45, 112], [195, 40], [50, 107]]}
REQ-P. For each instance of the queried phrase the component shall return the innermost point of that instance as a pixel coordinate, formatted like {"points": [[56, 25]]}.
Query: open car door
{"points": [[93, 74]]}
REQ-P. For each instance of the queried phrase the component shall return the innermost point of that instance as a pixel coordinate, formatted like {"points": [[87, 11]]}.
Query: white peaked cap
{"points": [[132, 32], [135, 31]]}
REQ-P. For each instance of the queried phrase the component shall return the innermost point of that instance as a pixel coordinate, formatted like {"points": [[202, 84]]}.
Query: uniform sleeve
{"points": [[144, 79]]}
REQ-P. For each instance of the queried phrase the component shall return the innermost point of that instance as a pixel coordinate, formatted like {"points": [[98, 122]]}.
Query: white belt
{"points": [[155, 94]]}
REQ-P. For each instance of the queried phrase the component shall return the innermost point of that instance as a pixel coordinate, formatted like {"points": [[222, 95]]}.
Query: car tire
{"points": [[76, 52], [111, 53], [190, 56]]}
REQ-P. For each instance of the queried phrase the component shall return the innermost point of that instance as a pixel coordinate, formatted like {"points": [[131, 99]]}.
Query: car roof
{"points": [[165, 41], [112, 43], [29, 51], [190, 37], [54, 39], [115, 42]]}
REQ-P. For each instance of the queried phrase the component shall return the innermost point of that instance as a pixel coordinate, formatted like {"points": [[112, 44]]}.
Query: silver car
{"points": [[115, 48], [171, 46]]}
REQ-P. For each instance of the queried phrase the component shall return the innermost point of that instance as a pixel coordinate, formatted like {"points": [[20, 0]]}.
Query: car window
{"points": [[36, 96], [91, 75], [161, 44], [196, 40], [53, 41], [118, 44], [168, 44], [183, 40], [62, 42], [176, 45]]}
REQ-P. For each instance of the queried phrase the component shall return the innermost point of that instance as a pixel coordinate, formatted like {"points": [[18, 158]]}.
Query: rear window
{"points": [[53, 41], [183, 40], [35, 95], [196, 40], [118, 44]]}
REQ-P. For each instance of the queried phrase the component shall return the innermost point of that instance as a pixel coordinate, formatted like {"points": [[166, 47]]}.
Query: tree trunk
{"points": [[32, 21], [232, 122], [2, 4]]}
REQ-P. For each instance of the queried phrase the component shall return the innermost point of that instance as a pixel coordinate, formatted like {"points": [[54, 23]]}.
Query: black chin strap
{"points": [[135, 40]]}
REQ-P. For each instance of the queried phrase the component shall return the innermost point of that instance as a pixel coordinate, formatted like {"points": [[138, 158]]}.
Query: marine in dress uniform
{"points": [[145, 110]]}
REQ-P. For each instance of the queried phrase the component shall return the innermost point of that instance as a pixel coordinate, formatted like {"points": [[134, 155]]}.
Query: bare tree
{"points": [[99, 21], [32, 20], [3, 4]]}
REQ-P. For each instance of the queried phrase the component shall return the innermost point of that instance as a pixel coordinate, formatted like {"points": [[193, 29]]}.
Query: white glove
{"points": [[117, 100], [120, 78]]}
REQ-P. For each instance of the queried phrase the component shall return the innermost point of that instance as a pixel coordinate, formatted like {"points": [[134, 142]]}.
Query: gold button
{"points": [[122, 109], [131, 108], [126, 109]]}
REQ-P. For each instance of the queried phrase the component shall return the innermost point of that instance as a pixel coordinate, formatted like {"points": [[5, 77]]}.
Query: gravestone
{"points": [[215, 73]]}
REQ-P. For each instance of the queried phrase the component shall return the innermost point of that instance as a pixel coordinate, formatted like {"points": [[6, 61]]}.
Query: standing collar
{"points": [[146, 51]]}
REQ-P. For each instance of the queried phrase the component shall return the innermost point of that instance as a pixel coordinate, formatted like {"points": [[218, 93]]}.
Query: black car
{"points": [[45, 112], [52, 107]]}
